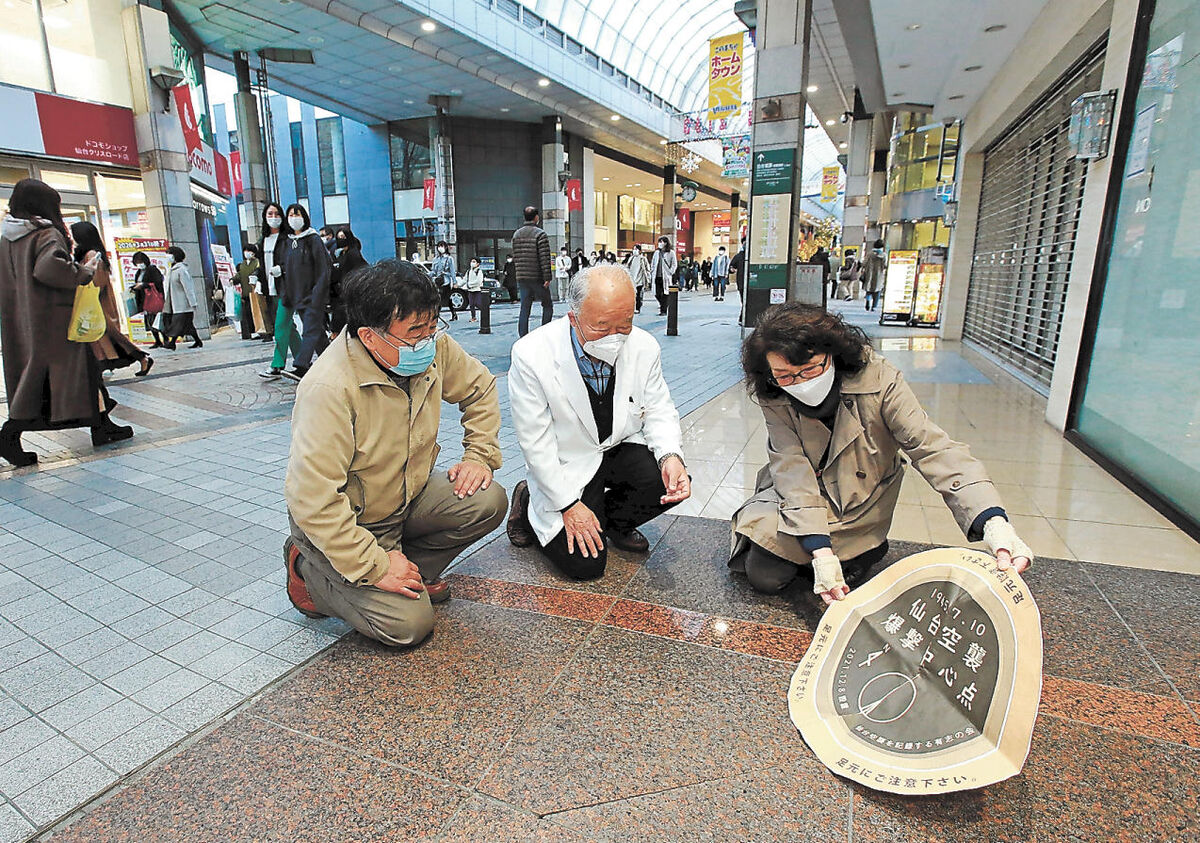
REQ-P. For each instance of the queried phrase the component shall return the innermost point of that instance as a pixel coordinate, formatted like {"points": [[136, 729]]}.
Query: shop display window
{"points": [[87, 50], [22, 51]]}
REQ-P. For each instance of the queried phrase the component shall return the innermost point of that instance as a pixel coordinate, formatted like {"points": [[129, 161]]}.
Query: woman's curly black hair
{"points": [[799, 332]]}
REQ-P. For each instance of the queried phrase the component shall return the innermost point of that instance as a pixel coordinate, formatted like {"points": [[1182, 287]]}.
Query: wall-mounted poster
{"points": [[898, 286]]}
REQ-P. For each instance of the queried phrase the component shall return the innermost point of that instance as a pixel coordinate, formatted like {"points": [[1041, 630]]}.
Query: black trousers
{"points": [[313, 339], [624, 494], [771, 574], [247, 319], [660, 293]]}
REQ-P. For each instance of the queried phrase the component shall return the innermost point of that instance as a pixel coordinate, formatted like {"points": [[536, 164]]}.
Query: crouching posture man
{"points": [[373, 525], [597, 427]]}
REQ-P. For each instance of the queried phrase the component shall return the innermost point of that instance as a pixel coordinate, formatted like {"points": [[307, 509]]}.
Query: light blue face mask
{"points": [[413, 360]]}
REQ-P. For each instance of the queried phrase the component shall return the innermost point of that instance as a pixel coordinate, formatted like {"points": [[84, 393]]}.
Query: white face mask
{"points": [[296, 223], [170, 260], [441, 251], [274, 221], [606, 348], [812, 392]]}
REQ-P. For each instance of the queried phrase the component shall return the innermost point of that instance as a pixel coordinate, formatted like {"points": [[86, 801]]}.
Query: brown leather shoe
{"points": [[632, 541], [520, 531], [297, 591], [438, 590]]}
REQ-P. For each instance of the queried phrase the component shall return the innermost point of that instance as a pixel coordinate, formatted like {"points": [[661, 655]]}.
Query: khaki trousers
{"points": [[435, 528]]}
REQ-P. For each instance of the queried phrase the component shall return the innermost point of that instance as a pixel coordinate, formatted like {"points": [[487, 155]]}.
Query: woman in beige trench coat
{"points": [[838, 418]]}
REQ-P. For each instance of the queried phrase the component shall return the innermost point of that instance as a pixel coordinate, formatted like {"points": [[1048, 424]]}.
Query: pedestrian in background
{"points": [[848, 275], [444, 271], [873, 274], [148, 292], [307, 275], [347, 258], [474, 281], [662, 272], [562, 272], [510, 278], [578, 262], [273, 246], [821, 258], [114, 350], [706, 271], [328, 237], [179, 305], [720, 274], [639, 271], [249, 281], [51, 382], [531, 252]]}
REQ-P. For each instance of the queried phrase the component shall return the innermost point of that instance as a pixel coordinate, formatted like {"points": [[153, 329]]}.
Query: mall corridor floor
{"points": [[156, 685]]}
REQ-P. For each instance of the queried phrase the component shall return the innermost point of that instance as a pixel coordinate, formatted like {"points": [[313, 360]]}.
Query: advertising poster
{"points": [[899, 281], [735, 153], [927, 296], [156, 250], [926, 680], [830, 176], [724, 76]]}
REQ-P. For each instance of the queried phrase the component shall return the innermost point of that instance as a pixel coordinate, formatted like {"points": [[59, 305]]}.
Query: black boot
{"points": [[10, 448], [106, 432]]}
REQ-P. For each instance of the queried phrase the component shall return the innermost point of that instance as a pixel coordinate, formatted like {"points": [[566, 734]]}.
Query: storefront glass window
{"points": [[332, 153], [601, 207], [87, 50], [299, 172], [122, 207], [67, 181], [22, 53], [1141, 402], [10, 174]]}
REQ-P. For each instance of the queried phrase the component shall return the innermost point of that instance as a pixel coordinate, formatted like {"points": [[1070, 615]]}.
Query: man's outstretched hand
{"points": [[676, 481], [469, 477]]}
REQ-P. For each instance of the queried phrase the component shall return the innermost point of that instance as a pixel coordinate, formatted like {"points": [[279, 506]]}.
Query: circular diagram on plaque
{"points": [[887, 697]]}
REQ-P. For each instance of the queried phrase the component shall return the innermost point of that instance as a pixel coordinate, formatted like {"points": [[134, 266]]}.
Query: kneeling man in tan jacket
{"points": [[373, 525]]}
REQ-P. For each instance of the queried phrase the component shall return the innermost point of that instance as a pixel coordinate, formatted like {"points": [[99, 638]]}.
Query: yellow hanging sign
{"points": [[829, 183], [724, 76]]}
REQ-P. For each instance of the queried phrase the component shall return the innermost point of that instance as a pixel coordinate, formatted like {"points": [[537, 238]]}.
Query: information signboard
{"points": [[156, 250], [898, 287], [927, 295], [925, 680]]}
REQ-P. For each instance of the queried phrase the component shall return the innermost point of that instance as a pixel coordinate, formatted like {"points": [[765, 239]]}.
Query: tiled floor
{"points": [[143, 604]]}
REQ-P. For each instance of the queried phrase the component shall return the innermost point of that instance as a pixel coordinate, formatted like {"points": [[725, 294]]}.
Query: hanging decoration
{"points": [[690, 163]]}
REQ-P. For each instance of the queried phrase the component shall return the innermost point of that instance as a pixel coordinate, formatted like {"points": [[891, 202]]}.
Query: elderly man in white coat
{"points": [[597, 427]]}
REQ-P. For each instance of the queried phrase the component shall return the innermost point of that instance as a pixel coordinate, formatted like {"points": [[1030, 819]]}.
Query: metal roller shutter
{"points": [[1025, 237]]}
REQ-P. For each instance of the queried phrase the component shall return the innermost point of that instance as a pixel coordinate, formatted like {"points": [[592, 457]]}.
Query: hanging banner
{"points": [[574, 195], [427, 196], [235, 170], [898, 287], [926, 679], [830, 176], [735, 154], [187, 118], [724, 76]]}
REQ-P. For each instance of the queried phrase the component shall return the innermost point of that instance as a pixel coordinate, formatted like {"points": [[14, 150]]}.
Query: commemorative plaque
{"points": [[926, 679]]}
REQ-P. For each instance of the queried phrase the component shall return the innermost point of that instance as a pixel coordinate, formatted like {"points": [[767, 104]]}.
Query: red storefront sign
{"points": [[222, 165], [86, 131], [574, 195], [427, 198]]}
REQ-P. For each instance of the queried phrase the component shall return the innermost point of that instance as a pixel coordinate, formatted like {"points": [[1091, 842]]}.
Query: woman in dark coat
{"points": [[148, 290], [307, 272], [347, 257], [51, 382], [114, 350]]}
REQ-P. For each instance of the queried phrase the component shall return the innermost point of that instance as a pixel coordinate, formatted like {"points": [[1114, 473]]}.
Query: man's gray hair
{"points": [[578, 288]]}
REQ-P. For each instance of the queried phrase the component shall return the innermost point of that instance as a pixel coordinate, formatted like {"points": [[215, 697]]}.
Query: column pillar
{"points": [[668, 205], [860, 152], [441, 151], [255, 178], [881, 130], [962, 247], [162, 151], [587, 238], [554, 198], [780, 79]]}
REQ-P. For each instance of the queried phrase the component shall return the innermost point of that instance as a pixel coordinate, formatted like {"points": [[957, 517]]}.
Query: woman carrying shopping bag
{"points": [[114, 350]]}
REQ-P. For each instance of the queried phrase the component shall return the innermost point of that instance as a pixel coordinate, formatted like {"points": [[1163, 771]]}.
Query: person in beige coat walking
{"points": [[839, 418]]}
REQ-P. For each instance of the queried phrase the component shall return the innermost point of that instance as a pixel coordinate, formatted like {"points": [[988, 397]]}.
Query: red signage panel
{"points": [[427, 198], [187, 118], [574, 195], [87, 131]]}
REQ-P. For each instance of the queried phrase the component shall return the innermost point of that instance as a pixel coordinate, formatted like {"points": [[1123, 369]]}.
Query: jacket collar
{"points": [[867, 381]]}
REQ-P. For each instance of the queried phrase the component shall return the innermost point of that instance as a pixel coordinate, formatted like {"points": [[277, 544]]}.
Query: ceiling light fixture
{"points": [[408, 102], [505, 109], [662, 143], [955, 97], [898, 94], [604, 179], [615, 117], [996, 27], [629, 185], [973, 67], [812, 89], [830, 122], [905, 66], [913, 27], [316, 39], [842, 145], [429, 26], [543, 82]]}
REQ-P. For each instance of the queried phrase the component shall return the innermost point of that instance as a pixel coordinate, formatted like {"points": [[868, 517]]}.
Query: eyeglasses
{"points": [[416, 345], [806, 373]]}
